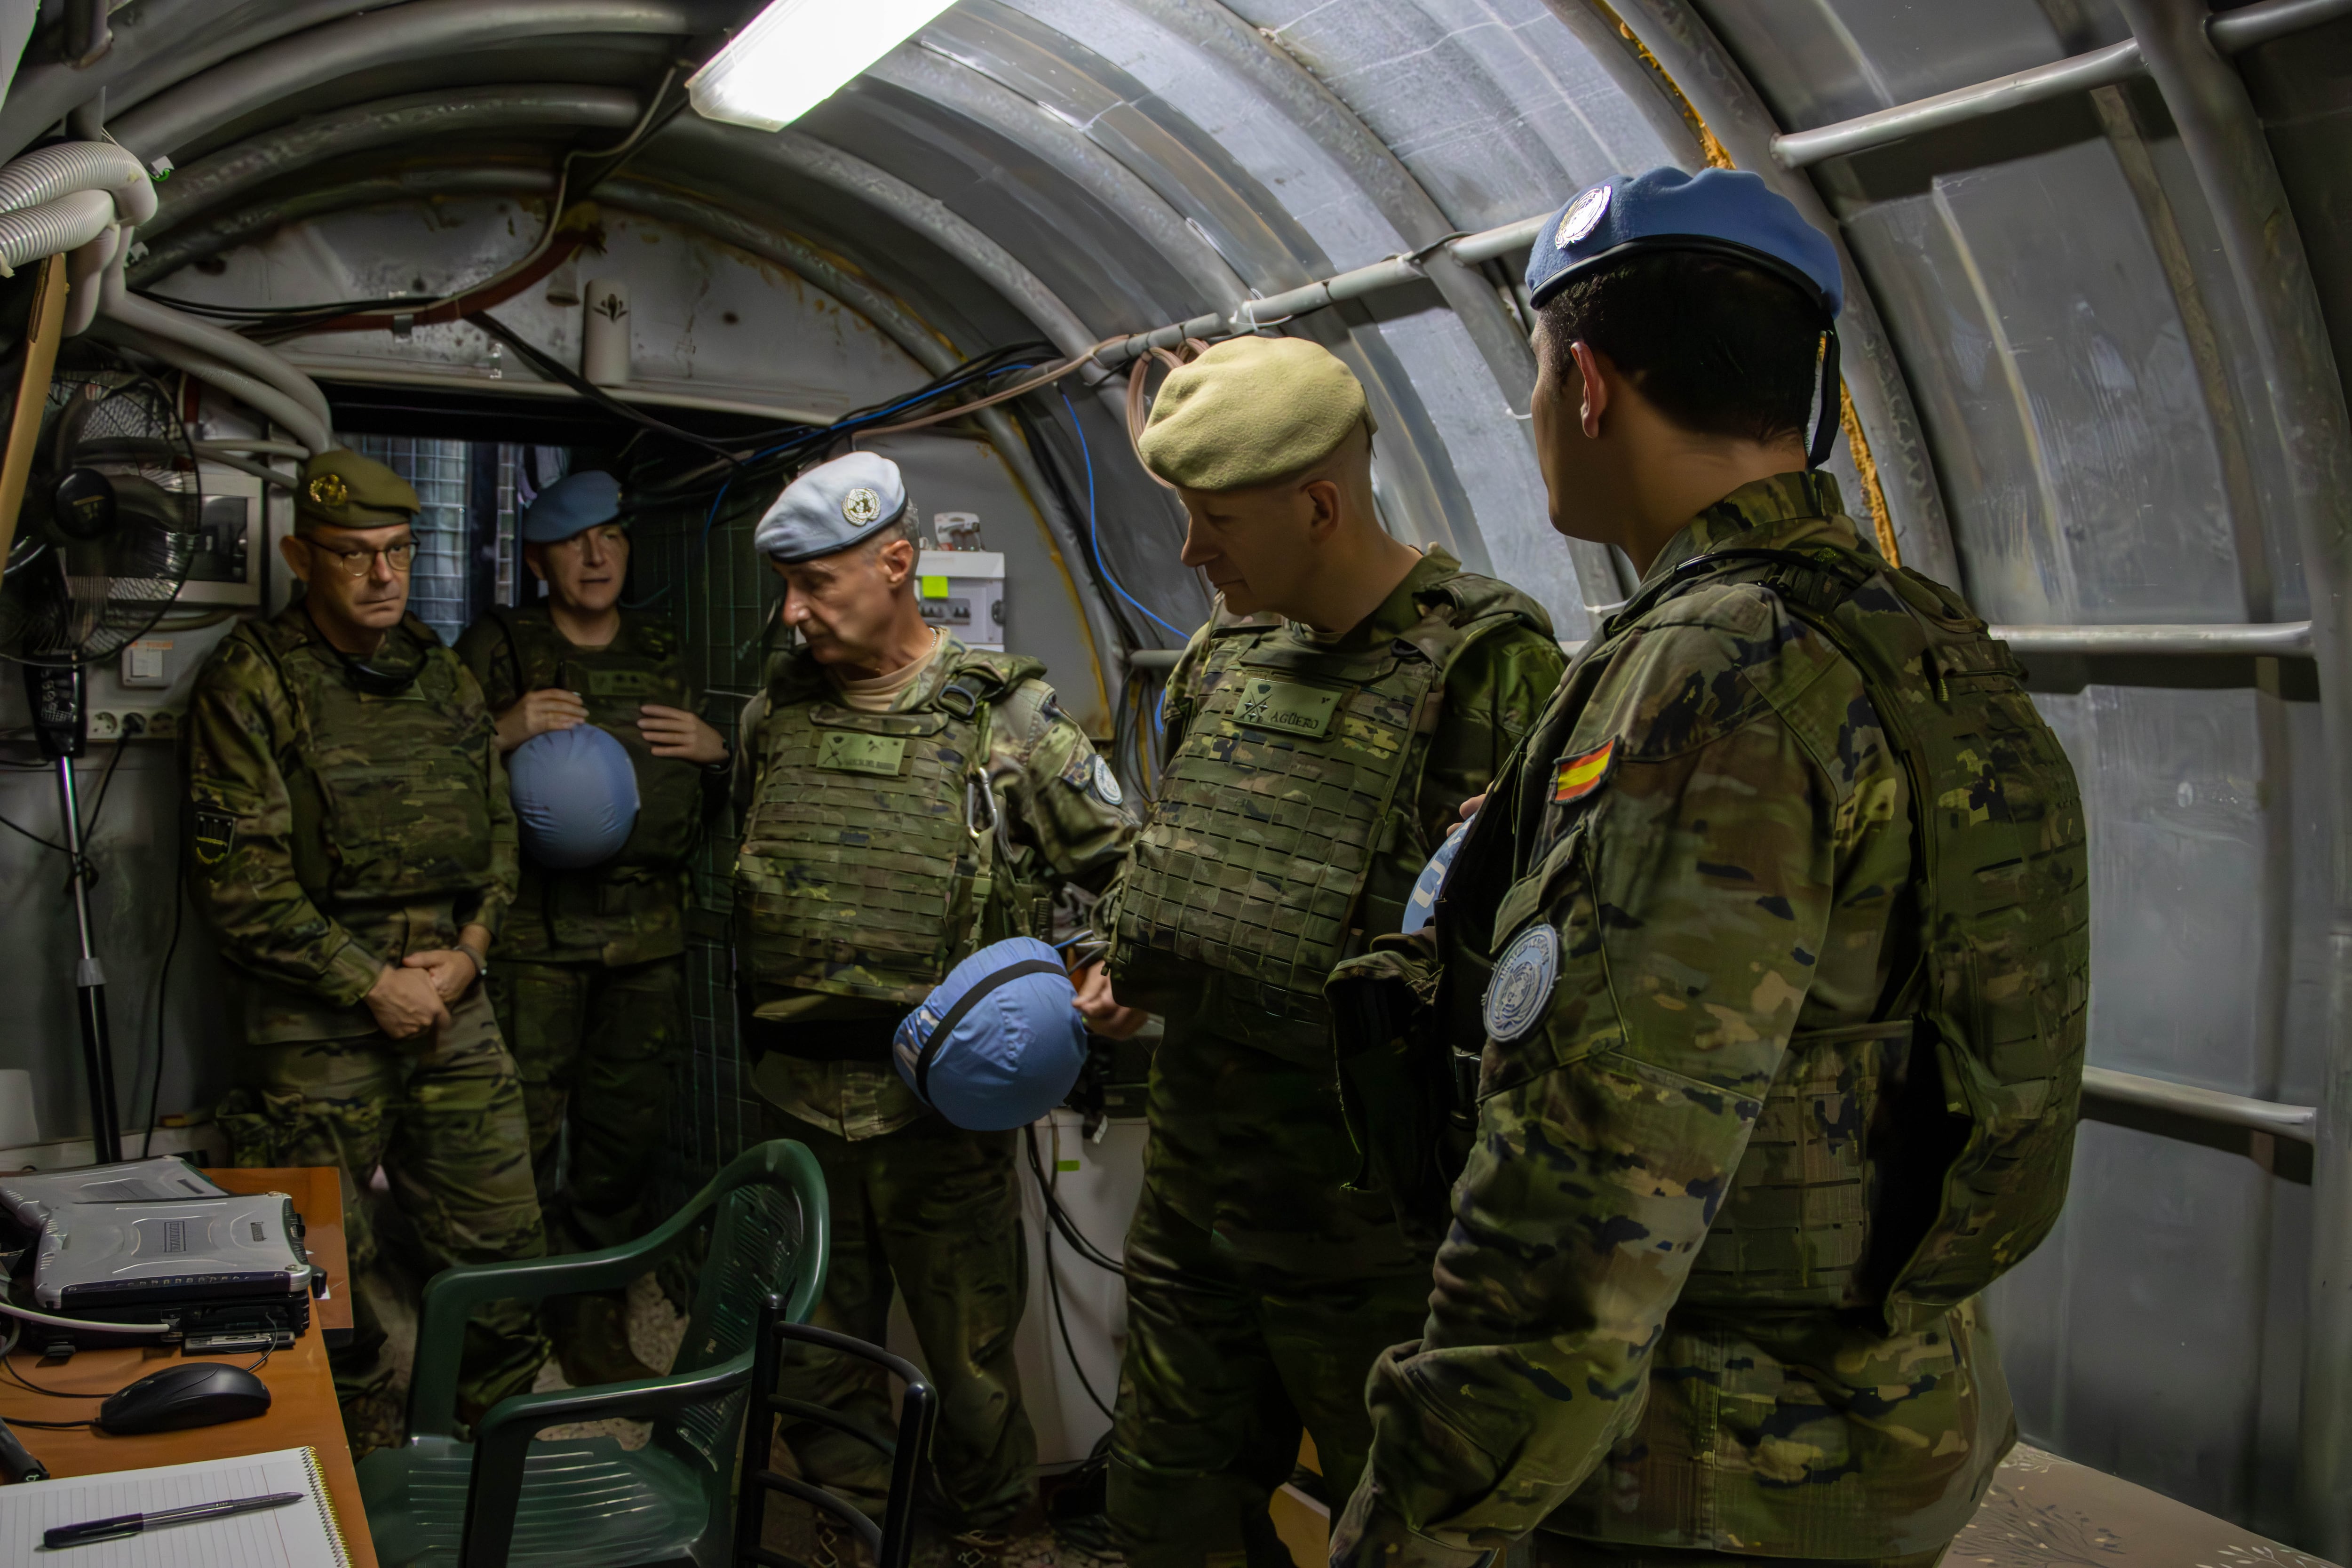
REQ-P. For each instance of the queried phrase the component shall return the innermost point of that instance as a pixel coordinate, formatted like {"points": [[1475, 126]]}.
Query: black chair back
{"points": [[893, 1541]]}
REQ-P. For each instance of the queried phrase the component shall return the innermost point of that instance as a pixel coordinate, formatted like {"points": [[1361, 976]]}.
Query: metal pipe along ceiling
{"points": [[422, 29], [2232, 31]]}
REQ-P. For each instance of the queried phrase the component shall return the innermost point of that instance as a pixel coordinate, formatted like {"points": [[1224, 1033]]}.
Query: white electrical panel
{"points": [[962, 591]]}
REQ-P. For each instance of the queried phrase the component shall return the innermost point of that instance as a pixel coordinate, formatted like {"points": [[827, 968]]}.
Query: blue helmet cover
{"points": [[1727, 211], [1422, 903], [998, 1043], [575, 796], [574, 503]]}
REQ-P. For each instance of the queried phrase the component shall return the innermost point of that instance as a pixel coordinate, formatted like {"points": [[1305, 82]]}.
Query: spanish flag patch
{"points": [[1579, 776]]}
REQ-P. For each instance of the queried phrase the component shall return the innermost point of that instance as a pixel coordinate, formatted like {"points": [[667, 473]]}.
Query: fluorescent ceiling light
{"points": [[798, 53]]}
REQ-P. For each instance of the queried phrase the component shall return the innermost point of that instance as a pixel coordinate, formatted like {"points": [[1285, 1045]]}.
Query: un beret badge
{"points": [[329, 489], [1516, 997], [1582, 217], [861, 506]]}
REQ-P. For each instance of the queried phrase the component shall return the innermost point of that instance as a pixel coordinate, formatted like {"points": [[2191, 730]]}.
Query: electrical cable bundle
{"points": [[1076, 1514]]}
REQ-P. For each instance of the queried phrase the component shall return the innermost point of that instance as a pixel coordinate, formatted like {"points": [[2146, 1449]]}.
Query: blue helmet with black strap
{"points": [[999, 1042], [1724, 212]]}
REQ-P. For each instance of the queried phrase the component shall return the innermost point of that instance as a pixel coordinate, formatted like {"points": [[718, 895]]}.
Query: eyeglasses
{"points": [[359, 562]]}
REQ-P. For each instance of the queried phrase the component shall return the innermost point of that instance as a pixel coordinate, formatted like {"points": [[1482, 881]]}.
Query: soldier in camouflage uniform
{"points": [[589, 978], [1323, 728], [1776, 938], [905, 800], [351, 845]]}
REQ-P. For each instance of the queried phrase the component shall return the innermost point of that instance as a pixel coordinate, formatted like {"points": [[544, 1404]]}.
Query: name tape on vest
{"points": [[1286, 706], [624, 683], [852, 751]]}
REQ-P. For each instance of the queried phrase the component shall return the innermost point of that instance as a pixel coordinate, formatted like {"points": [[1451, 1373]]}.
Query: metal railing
{"points": [[2231, 33]]}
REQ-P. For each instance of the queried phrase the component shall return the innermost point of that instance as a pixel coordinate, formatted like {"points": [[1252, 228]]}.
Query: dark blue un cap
{"points": [[1724, 212], [1727, 211]]}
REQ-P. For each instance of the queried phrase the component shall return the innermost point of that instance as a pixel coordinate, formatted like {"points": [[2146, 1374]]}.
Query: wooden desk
{"points": [[303, 1411]]}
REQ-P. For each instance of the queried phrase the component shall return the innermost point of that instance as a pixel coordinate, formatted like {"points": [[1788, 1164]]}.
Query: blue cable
{"points": [[1094, 541]]}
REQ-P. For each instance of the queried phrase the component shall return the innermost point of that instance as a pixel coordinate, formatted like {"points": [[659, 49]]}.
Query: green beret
{"points": [[1250, 411], [343, 490]]}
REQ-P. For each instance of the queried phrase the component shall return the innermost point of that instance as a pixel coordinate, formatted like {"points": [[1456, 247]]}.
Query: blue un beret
{"points": [[572, 504], [998, 1043], [1727, 211], [832, 507]]}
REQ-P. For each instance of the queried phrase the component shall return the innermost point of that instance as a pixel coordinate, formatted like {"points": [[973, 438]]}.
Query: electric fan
{"points": [[104, 538]]}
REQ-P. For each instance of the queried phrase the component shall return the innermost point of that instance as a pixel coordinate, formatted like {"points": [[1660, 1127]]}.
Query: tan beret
{"points": [[343, 489], [1250, 411]]}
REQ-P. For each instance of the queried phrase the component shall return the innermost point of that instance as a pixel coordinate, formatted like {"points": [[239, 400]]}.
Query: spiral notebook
{"points": [[299, 1535]]}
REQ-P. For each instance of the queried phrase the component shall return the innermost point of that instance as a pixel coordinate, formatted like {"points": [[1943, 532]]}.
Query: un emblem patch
{"points": [[1582, 217], [1522, 983], [861, 506], [1106, 784]]}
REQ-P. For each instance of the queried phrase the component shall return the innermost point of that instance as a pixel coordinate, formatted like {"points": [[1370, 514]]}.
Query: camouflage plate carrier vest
{"points": [[390, 794], [1296, 770], [872, 851], [633, 907], [1980, 1058]]}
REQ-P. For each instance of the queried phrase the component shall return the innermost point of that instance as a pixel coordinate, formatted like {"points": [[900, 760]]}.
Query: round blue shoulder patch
{"points": [[1517, 997]]}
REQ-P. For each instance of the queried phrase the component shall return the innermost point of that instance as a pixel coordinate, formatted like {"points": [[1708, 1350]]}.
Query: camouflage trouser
{"points": [[445, 1118], [1226, 1360], [594, 1047], [1566, 1552], [936, 1210]]}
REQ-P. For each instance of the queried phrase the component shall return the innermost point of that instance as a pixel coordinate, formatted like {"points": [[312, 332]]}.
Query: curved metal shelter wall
{"points": [[2094, 373]]}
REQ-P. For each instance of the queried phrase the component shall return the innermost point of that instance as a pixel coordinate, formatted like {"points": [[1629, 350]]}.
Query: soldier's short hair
{"points": [[899, 527], [1721, 347]]}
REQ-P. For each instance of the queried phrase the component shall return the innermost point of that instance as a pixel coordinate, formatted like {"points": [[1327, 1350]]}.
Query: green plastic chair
{"points": [[506, 1499]]}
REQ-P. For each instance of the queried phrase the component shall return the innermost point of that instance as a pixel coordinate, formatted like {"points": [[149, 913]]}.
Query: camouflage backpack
{"points": [[1991, 1011], [1997, 1001]]}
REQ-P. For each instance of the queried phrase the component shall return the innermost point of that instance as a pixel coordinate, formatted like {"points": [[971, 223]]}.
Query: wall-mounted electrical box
{"points": [[962, 591], [232, 557]]}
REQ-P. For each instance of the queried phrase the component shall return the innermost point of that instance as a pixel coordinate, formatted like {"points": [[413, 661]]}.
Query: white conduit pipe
{"points": [[82, 270], [309, 429], [224, 347], [72, 166], [53, 227]]}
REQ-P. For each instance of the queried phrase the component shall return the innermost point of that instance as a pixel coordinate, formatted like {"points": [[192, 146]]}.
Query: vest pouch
{"points": [[397, 816], [1801, 1214], [1402, 1098], [859, 856], [1246, 886]]}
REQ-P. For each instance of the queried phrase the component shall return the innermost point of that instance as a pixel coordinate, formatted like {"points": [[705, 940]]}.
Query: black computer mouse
{"points": [[193, 1393]]}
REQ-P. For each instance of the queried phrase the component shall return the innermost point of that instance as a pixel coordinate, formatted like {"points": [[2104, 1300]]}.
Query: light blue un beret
{"points": [[832, 507], [572, 504], [1730, 212]]}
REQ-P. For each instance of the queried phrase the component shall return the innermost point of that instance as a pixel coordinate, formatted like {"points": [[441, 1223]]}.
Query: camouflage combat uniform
{"points": [[1309, 777], [1744, 1154], [334, 832], [589, 979], [869, 864]]}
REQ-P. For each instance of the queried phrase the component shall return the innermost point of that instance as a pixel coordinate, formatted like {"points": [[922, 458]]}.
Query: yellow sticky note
{"points": [[934, 588]]}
